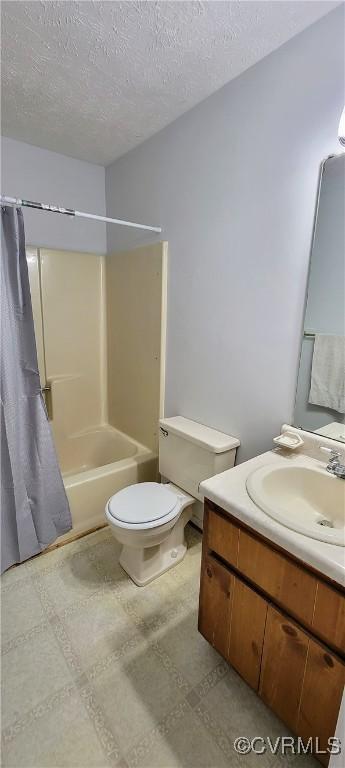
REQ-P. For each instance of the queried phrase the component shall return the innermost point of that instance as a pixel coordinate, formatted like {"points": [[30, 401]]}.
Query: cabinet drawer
{"points": [[329, 616], [222, 537], [215, 604], [287, 583]]}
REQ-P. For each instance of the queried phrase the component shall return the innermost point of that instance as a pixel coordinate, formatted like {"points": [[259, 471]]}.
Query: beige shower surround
{"points": [[71, 285], [100, 324], [136, 318]]}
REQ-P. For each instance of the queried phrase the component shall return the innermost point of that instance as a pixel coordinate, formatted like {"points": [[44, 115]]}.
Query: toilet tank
{"points": [[190, 452]]}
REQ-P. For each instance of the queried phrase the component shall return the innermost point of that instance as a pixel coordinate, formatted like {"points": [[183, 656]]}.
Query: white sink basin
{"points": [[308, 500]]}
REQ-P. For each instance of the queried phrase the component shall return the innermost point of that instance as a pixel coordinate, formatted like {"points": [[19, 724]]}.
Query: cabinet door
{"points": [[322, 691], [248, 619], [215, 604], [283, 665]]}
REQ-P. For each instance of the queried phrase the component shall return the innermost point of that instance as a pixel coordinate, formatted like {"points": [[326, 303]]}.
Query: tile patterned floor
{"points": [[97, 672]]}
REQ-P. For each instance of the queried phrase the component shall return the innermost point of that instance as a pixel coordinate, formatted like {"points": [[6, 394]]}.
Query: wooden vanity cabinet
{"points": [[277, 623]]}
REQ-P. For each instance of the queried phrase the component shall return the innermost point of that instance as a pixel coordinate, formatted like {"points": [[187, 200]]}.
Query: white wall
{"points": [[233, 183], [48, 177]]}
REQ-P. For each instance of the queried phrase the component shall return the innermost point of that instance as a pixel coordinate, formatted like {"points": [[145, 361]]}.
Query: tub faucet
{"points": [[334, 466]]}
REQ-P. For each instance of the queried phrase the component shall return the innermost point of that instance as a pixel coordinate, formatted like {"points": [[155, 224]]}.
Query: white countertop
{"points": [[228, 490]]}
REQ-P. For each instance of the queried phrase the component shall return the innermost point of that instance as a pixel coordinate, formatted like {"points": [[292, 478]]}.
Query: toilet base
{"points": [[148, 563]]}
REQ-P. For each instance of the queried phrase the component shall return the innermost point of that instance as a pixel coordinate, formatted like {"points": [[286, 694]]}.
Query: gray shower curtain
{"points": [[34, 506]]}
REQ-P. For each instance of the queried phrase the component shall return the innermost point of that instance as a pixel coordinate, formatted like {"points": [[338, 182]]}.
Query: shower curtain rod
{"points": [[71, 212]]}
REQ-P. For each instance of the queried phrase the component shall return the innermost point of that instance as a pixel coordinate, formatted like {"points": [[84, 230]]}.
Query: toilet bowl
{"points": [[149, 519]]}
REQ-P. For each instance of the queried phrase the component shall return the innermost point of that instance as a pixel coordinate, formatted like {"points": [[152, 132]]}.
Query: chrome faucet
{"points": [[334, 466]]}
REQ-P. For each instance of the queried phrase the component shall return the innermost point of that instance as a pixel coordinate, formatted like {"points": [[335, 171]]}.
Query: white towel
{"points": [[327, 387]]}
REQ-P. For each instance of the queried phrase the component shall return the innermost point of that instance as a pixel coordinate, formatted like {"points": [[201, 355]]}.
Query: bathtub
{"points": [[94, 465]]}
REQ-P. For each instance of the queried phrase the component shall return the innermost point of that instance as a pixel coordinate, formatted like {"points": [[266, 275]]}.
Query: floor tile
{"points": [[187, 745], [13, 575], [135, 696], [20, 610], [240, 712], [61, 736], [74, 579], [30, 673], [155, 606], [98, 629], [233, 703], [105, 553], [194, 656]]}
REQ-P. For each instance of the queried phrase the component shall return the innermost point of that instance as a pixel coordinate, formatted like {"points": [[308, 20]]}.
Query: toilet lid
{"points": [[142, 503]]}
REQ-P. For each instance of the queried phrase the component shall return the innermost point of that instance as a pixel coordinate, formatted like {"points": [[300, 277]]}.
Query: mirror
{"points": [[320, 395]]}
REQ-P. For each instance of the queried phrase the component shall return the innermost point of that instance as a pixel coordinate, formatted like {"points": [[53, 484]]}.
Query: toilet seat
{"points": [[144, 505]]}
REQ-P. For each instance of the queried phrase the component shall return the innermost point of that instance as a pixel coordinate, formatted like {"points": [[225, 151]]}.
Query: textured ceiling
{"points": [[94, 79]]}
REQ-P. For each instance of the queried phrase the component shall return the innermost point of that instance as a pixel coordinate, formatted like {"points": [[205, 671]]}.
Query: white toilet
{"points": [[149, 518]]}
